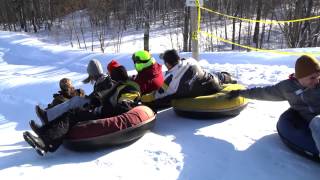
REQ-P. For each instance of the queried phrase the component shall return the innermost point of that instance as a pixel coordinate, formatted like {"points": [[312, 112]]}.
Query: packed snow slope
{"points": [[243, 147]]}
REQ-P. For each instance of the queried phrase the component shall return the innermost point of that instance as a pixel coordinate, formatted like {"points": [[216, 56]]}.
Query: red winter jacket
{"points": [[150, 79]]}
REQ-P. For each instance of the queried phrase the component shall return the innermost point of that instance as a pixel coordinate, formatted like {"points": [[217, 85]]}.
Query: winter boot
{"points": [[36, 143], [36, 128], [227, 78], [42, 114]]}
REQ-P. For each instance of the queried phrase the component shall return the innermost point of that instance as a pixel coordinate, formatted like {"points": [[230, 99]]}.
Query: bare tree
{"points": [[146, 4], [82, 31], [257, 25], [144, 15], [234, 24], [186, 28]]}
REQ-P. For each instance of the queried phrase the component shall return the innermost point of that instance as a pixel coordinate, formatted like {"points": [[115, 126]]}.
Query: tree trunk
{"points": [[147, 5], [234, 26], [257, 26], [305, 34], [186, 28], [240, 24], [82, 33], [270, 29], [262, 35]]}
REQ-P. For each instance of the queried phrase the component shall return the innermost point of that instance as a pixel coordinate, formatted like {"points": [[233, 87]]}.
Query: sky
{"points": [[246, 146]]}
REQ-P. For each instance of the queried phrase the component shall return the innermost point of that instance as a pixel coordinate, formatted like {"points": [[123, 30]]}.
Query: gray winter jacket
{"points": [[305, 101]]}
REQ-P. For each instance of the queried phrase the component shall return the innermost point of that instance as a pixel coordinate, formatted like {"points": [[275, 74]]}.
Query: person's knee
{"points": [[315, 124], [76, 98], [227, 78]]}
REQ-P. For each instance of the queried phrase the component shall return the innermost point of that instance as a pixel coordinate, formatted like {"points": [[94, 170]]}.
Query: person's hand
{"points": [[146, 98], [233, 94], [133, 77], [126, 104], [94, 100]]}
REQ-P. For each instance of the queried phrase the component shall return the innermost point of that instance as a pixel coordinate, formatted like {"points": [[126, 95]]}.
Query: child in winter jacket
{"points": [[301, 90], [96, 76], [67, 91], [149, 75]]}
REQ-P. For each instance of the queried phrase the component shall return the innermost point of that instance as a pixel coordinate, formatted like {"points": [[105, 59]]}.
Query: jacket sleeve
{"points": [[57, 99], [132, 96], [268, 93], [165, 90], [107, 83], [105, 92], [129, 97]]}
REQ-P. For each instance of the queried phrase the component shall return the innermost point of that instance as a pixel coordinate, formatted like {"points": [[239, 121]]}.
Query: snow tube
{"points": [[148, 100], [158, 106], [211, 106], [295, 133], [116, 130]]}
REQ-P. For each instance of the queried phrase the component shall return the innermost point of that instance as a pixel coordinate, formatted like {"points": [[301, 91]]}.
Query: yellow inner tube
{"points": [[212, 103]]}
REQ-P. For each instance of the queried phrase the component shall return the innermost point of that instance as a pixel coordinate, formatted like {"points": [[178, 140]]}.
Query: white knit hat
{"points": [[94, 69]]}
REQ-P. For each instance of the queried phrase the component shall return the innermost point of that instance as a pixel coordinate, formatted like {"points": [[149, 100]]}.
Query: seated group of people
{"points": [[115, 93]]}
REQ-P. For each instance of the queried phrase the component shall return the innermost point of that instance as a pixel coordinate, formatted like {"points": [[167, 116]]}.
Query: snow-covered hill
{"points": [[243, 147]]}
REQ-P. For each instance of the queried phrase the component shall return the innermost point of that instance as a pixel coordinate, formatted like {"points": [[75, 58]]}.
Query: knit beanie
{"points": [[94, 69], [171, 57], [305, 66], [119, 74], [113, 64]]}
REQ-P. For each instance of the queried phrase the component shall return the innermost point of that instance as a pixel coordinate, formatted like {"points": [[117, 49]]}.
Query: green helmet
{"points": [[142, 59]]}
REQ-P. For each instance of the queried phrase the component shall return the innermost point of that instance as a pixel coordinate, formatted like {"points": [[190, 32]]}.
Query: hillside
{"points": [[243, 147]]}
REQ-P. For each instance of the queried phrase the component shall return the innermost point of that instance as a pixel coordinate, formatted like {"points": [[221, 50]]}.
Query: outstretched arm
{"points": [[268, 93]]}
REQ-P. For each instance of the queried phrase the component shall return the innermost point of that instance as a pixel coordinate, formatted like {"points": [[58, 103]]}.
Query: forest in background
{"points": [[100, 18]]}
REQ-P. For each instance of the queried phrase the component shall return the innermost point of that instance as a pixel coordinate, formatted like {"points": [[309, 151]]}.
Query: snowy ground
{"points": [[243, 147]]}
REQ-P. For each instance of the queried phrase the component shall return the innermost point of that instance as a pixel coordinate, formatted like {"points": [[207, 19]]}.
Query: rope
{"points": [[250, 20], [257, 49], [260, 21]]}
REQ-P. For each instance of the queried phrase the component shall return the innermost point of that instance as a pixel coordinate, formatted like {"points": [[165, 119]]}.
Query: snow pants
{"points": [[315, 130], [60, 109]]}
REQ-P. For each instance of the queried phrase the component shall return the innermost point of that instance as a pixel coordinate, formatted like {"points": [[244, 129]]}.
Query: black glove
{"points": [[126, 105], [233, 94], [94, 100]]}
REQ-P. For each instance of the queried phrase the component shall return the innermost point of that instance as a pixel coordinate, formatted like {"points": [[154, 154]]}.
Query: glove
{"points": [[133, 77], [233, 94], [126, 105], [146, 98], [94, 100]]}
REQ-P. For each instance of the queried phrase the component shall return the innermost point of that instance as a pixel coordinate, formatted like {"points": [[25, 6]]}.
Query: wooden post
{"points": [[194, 27], [194, 30]]}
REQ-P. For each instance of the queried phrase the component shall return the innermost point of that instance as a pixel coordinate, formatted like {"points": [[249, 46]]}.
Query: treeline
{"points": [[120, 15], [33, 15], [294, 34]]}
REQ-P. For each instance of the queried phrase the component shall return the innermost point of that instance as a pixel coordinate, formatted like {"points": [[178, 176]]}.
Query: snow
{"points": [[243, 147]]}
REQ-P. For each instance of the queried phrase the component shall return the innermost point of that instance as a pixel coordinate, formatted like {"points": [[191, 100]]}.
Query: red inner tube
{"points": [[99, 127]]}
